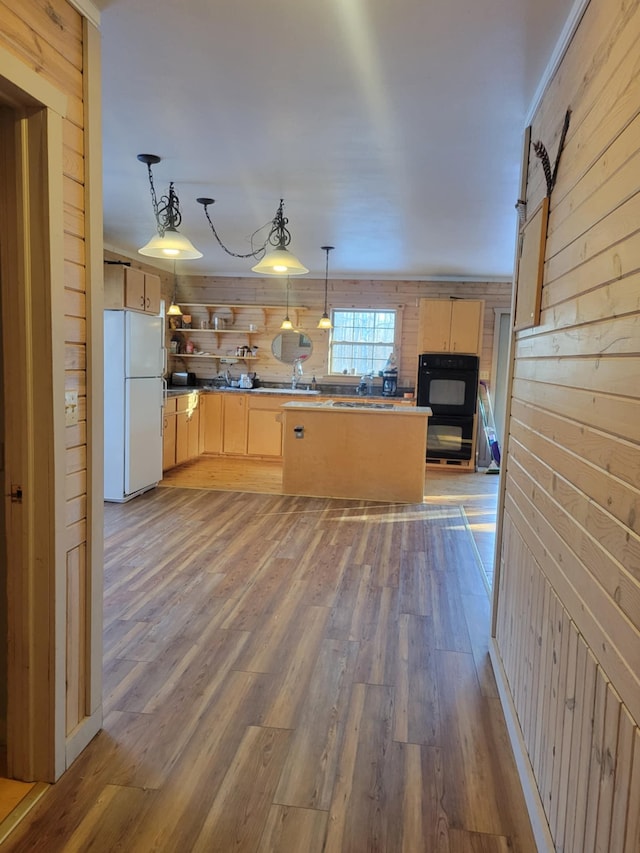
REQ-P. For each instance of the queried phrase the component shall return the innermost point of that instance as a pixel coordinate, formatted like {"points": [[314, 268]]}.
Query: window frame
{"points": [[396, 310]]}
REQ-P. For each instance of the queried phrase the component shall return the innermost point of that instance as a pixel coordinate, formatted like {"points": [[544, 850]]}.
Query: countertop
{"points": [[369, 406], [299, 393]]}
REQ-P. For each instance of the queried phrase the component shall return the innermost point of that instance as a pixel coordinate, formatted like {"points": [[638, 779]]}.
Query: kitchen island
{"points": [[360, 450]]}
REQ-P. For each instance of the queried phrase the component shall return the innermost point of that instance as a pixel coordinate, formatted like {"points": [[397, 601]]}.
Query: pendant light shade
{"points": [[170, 245], [167, 242], [325, 321], [280, 262], [286, 323]]}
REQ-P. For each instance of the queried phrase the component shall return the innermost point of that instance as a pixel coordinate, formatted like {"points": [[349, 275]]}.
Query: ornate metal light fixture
{"points": [[280, 261], [167, 242], [325, 321]]}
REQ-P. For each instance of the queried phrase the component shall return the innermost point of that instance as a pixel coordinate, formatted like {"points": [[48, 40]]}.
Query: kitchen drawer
{"points": [[170, 405]]}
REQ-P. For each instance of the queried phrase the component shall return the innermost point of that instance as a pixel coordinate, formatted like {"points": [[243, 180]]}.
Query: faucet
{"points": [[297, 373]]}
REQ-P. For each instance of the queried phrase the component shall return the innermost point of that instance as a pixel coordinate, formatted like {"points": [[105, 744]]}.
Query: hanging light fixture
{"points": [[174, 309], [167, 242], [286, 323], [325, 321], [280, 261]]}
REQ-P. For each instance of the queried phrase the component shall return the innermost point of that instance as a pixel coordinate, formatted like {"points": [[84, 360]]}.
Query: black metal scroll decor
{"points": [[541, 154]]}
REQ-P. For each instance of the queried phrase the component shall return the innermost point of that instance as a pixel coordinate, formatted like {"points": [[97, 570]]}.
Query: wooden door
{"points": [[264, 435], [151, 293], [182, 429], [466, 326], [169, 442], [234, 428], [434, 321], [193, 430], [211, 423], [133, 289]]}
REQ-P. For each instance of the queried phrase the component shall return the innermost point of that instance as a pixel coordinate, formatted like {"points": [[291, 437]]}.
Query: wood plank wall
{"points": [[48, 38], [309, 292], [568, 606]]}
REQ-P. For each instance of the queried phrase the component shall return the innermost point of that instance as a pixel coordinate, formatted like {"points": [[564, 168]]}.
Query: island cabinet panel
{"points": [[127, 287], [264, 426], [234, 424], [211, 423], [346, 454], [450, 325]]}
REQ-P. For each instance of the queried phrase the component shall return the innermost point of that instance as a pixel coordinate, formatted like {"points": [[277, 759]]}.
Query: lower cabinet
{"points": [[211, 422], [239, 424], [169, 434], [181, 430], [234, 423], [264, 426]]}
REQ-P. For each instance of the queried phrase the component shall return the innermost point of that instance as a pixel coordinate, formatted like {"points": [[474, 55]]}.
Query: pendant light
{"points": [[286, 324], [167, 242], [174, 308], [280, 261], [325, 320]]}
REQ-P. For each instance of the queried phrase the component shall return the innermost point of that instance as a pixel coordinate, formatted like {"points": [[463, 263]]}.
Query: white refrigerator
{"points": [[133, 400]]}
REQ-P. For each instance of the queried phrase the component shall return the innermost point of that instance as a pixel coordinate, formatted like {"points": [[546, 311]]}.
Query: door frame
{"points": [[39, 746]]}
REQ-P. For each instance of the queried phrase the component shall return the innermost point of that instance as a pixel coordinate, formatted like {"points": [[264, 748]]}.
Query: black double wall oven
{"points": [[448, 383]]}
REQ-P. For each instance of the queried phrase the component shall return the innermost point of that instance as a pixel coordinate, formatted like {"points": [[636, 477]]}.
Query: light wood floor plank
{"points": [[289, 674]]}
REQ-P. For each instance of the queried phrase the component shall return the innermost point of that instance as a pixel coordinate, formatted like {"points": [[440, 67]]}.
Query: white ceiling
{"points": [[391, 128]]}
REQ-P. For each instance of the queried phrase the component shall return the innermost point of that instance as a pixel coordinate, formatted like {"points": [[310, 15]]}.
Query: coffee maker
{"points": [[389, 382]]}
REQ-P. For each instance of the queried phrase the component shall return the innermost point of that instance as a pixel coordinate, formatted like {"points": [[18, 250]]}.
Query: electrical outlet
{"points": [[70, 408], [484, 375]]}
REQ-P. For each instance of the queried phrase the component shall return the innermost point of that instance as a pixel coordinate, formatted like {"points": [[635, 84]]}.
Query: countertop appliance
{"points": [[389, 382], [183, 378], [133, 399]]}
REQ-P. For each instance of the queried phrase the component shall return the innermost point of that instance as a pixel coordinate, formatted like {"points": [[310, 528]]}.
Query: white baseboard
{"points": [[539, 825]]}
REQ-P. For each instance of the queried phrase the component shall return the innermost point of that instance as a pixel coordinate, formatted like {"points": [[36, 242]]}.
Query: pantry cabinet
{"points": [[450, 325], [126, 287]]}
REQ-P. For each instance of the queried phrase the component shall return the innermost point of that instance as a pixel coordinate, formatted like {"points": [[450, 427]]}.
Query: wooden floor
{"points": [[289, 674], [476, 493]]}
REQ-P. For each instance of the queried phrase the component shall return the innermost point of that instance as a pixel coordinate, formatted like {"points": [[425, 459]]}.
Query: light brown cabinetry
{"points": [[211, 422], [126, 287], [181, 430], [264, 426], [169, 434], [450, 325], [234, 423]]}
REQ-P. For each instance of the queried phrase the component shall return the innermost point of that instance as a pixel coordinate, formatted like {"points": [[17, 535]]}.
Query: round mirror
{"points": [[288, 346]]}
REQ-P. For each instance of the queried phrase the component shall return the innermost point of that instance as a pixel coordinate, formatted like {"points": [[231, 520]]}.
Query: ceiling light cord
{"points": [[256, 253]]}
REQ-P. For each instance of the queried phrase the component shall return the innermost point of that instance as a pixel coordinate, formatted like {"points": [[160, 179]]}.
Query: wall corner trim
{"points": [[568, 31], [87, 10]]}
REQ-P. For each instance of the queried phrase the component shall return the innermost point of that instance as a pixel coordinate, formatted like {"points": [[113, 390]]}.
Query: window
{"points": [[361, 341]]}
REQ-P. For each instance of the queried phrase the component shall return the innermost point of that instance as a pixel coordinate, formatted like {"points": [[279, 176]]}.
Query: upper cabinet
{"points": [[126, 287], [450, 325]]}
